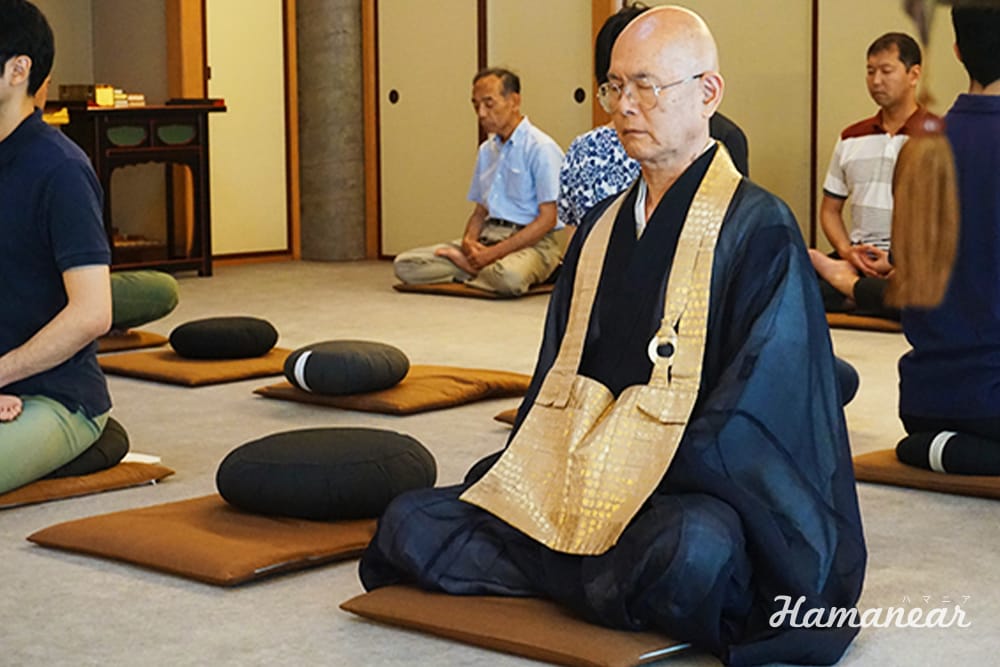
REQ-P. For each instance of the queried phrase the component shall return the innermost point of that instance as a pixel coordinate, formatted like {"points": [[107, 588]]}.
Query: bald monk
{"points": [[680, 462]]}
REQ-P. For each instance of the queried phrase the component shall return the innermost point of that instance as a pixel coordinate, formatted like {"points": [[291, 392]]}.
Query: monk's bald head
{"points": [[664, 85], [673, 37]]}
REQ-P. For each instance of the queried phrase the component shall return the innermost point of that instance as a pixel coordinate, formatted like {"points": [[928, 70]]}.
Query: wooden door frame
{"points": [[187, 76], [370, 112], [813, 122], [600, 10]]}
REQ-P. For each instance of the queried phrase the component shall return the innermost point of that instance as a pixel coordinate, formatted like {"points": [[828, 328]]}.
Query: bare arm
{"points": [[531, 234], [831, 218], [86, 316], [473, 229]]}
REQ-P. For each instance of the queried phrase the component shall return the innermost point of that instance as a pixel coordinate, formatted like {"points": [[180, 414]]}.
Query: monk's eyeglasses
{"points": [[643, 92]]}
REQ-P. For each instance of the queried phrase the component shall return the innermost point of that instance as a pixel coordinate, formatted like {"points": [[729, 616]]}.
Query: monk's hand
{"points": [[10, 407]]}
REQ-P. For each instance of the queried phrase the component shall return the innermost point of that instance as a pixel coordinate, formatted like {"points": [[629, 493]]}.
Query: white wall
{"points": [[548, 45], [247, 162], [764, 48], [130, 52], [428, 137], [72, 25]]}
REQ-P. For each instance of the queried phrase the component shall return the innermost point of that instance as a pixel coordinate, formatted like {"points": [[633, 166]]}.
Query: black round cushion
{"points": [[107, 451], [224, 338], [324, 473], [346, 367]]}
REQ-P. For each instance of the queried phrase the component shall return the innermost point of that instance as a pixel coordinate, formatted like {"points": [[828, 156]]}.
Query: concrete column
{"points": [[331, 129]]}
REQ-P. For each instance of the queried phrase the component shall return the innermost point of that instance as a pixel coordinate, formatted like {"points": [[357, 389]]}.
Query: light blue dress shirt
{"points": [[512, 178]]}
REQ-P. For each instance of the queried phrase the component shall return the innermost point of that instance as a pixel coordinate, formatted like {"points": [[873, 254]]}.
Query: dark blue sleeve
{"points": [[73, 216], [768, 436]]}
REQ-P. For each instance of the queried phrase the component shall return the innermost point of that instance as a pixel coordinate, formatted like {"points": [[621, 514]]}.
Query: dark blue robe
{"points": [[759, 500]]}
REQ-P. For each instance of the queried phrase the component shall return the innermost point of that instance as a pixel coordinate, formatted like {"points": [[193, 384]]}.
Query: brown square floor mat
{"points": [[121, 476], [424, 388], [882, 467], [209, 540], [133, 339], [528, 627], [169, 367], [862, 322], [461, 289]]}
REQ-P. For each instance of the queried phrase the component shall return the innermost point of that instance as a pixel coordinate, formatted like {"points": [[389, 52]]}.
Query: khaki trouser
{"points": [[511, 275]]}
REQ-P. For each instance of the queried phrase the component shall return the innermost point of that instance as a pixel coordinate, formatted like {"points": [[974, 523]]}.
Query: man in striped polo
{"points": [[854, 277]]}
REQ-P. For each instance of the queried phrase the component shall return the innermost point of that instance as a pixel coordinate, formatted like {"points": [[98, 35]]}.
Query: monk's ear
{"points": [[712, 87]]}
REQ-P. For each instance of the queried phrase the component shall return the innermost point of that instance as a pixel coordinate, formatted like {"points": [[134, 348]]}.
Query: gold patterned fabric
{"points": [[582, 463]]}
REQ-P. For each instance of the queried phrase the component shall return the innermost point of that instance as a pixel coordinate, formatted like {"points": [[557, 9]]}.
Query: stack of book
{"points": [[100, 95], [123, 99]]}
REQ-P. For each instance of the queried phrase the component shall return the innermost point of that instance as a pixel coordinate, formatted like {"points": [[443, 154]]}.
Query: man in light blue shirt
{"points": [[508, 243]]}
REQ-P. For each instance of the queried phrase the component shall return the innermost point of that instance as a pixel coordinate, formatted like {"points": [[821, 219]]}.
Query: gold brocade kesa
{"points": [[582, 463]]}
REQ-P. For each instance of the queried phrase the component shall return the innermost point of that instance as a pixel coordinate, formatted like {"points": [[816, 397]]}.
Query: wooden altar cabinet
{"points": [[175, 133]]}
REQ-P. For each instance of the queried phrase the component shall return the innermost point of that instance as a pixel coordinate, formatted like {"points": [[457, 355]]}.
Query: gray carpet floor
{"points": [[926, 549]]}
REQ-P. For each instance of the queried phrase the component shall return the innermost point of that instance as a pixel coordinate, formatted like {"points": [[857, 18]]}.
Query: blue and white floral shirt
{"points": [[595, 168]]}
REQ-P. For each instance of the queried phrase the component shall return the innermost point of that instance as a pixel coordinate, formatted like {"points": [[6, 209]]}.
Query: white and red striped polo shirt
{"points": [[861, 168]]}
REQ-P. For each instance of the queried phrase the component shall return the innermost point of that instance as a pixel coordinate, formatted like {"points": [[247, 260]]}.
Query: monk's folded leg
{"points": [[432, 539], [681, 568]]}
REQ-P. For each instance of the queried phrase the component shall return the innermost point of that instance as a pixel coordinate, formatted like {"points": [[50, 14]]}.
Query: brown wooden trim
{"points": [[482, 39], [482, 51], [600, 10], [186, 72], [292, 195], [206, 70], [369, 69], [185, 48], [237, 258], [813, 123]]}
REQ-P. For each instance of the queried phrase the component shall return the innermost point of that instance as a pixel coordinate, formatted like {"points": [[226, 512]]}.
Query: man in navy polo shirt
{"points": [[54, 259]]}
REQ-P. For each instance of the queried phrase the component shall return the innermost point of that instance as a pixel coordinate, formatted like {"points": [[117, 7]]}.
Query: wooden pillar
{"points": [[369, 66], [600, 10], [185, 48], [292, 183], [186, 77]]}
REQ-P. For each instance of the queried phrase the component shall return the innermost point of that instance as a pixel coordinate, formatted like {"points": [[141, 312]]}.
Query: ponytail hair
{"points": [[925, 222]]}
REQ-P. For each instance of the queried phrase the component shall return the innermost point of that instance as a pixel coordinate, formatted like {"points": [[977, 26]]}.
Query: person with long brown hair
{"points": [[950, 381]]}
